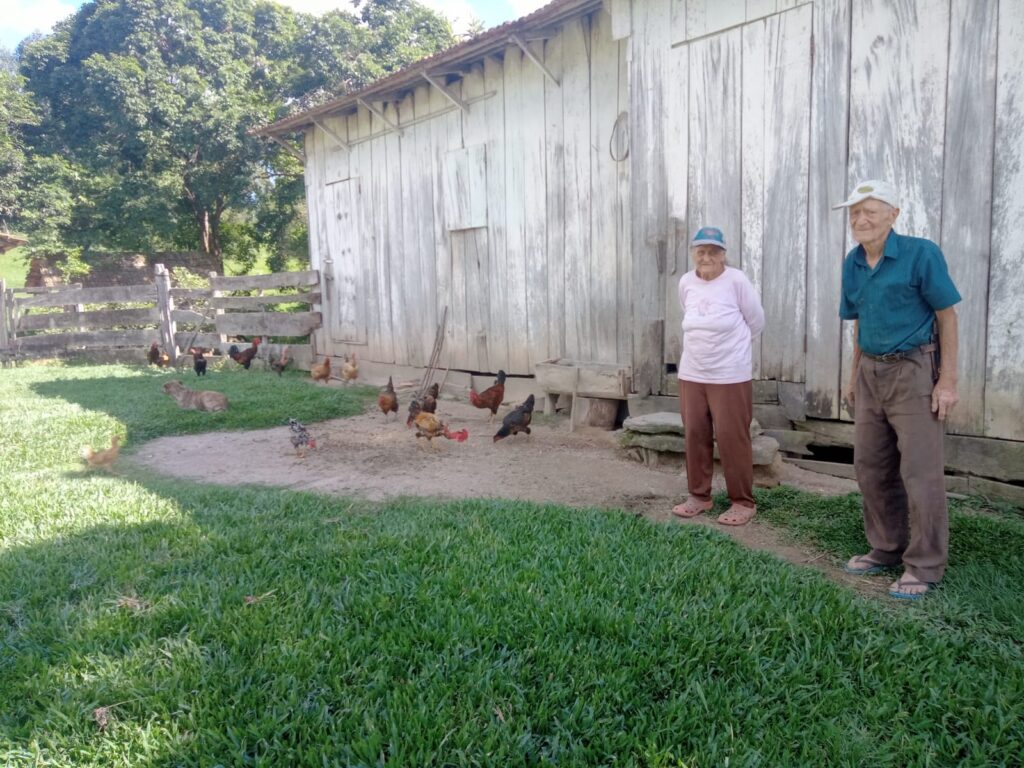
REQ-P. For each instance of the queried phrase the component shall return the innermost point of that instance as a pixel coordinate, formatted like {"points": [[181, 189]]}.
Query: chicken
{"points": [[102, 458], [388, 400], [491, 397], [516, 421], [157, 356], [301, 440], [415, 409], [429, 403], [429, 426], [350, 369], [280, 363], [245, 357], [321, 372], [198, 361]]}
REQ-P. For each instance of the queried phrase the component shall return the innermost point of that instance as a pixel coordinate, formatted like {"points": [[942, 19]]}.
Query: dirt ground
{"points": [[366, 457]]}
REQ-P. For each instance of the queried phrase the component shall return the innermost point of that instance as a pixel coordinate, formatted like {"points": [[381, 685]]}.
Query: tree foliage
{"points": [[147, 107]]}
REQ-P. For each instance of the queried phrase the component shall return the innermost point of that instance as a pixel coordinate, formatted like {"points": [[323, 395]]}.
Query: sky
{"points": [[21, 18]]}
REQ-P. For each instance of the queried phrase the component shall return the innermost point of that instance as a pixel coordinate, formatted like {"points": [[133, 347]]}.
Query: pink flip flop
{"points": [[737, 514], [691, 507]]}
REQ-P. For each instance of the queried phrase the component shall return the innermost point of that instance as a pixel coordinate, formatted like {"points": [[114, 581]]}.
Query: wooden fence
{"points": [[90, 322]]}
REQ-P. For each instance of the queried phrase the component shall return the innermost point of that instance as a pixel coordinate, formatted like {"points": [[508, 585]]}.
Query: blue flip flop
{"points": [[908, 581], [870, 566]]}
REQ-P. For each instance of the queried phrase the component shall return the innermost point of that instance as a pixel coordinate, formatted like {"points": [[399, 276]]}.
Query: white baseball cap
{"points": [[879, 189]]}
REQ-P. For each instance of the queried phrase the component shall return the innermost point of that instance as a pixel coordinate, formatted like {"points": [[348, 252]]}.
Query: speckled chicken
{"points": [[517, 420], [300, 437]]}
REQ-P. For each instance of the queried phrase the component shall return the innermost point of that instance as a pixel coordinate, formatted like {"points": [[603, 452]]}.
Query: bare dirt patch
{"points": [[368, 458]]}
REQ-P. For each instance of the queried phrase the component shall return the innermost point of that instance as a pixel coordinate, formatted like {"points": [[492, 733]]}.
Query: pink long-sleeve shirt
{"points": [[720, 318]]}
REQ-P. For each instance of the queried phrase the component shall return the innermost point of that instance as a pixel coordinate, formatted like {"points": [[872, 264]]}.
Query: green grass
{"points": [[14, 268], [412, 633]]}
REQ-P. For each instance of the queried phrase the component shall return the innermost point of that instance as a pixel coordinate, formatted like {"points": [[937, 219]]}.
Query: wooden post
{"points": [[164, 307], [215, 294]]}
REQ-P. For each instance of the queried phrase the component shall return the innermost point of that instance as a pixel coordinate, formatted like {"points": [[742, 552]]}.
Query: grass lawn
{"points": [[155, 622]]}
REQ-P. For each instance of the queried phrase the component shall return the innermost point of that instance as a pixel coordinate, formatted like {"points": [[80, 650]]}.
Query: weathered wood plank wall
{"points": [[521, 216], [1004, 369]]}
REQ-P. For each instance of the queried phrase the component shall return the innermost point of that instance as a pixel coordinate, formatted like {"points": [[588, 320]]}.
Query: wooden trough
{"points": [[604, 383]]}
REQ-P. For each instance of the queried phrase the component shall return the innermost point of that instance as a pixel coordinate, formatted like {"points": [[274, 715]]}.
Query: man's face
{"points": [[871, 220], [710, 261]]}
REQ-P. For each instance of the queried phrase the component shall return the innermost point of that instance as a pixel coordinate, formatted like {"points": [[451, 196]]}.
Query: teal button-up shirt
{"points": [[895, 303]]}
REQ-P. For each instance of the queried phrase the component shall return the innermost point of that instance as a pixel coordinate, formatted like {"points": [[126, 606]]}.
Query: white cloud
{"points": [[23, 17]]}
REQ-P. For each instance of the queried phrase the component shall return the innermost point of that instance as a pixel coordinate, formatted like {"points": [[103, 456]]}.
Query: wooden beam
{"points": [[292, 150], [341, 142], [367, 106], [530, 55], [445, 92]]}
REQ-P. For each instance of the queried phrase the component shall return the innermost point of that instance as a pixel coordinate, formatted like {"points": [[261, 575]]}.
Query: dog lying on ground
{"points": [[199, 401]]}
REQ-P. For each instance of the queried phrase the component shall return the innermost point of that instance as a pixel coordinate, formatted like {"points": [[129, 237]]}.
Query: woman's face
{"points": [[710, 261]]}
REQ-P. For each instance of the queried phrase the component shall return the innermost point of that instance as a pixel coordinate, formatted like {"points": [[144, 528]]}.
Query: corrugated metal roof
{"points": [[471, 50]]}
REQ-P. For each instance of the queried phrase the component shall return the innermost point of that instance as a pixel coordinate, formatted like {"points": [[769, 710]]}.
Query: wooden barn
{"points": [[540, 181]]}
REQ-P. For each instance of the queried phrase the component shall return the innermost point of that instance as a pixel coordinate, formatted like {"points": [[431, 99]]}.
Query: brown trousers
{"points": [[721, 411], [898, 457]]}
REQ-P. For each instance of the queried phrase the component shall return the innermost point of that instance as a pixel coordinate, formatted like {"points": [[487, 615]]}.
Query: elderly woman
{"points": [[721, 315]]}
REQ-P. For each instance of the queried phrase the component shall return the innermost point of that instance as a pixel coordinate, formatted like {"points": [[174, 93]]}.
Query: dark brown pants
{"points": [[723, 411], [899, 461]]}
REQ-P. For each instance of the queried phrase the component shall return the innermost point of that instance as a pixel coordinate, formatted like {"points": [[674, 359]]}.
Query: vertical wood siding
{"points": [[522, 216]]}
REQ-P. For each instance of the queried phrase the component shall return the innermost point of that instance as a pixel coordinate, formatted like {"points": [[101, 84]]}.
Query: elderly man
{"points": [[898, 292]]}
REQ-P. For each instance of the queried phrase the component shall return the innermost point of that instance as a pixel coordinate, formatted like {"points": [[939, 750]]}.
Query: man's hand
{"points": [[849, 393], [944, 397]]}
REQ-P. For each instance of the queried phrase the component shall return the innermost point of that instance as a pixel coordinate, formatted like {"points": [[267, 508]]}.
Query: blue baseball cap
{"points": [[709, 236]]}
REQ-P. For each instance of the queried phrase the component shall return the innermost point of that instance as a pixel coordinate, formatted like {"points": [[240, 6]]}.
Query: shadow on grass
{"points": [[135, 397], [252, 626]]}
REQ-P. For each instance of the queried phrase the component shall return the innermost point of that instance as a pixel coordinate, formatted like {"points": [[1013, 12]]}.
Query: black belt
{"points": [[893, 357]]}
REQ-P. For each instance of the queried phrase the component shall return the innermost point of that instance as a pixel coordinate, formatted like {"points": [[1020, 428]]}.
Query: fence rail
{"points": [[41, 323]]}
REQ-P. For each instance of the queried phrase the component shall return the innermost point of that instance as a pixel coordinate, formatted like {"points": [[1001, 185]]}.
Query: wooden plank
{"points": [[4, 333], [677, 162], [757, 9], [534, 255], [648, 193], [826, 229], [396, 254], [576, 119], [117, 293], [621, 12], [99, 319], [423, 197], [316, 212], [604, 267], [498, 306], [191, 294], [367, 251], [754, 136], [787, 121], [165, 309], [966, 194], [715, 113], [274, 280], [380, 265], [469, 315], [269, 323], [184, 339], [55, 342], [703, 17], [190, 316], [619, 145], [677, 30], [254, 302], [516, 69], [898, 86], [465, 187], [555, 184], [335, 158], [1004, 369], [346, 294], [898, 49], [446, 136]]}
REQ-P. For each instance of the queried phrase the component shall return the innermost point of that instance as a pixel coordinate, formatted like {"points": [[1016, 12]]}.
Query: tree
{"points": [[151, 102], [16, 113]]}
